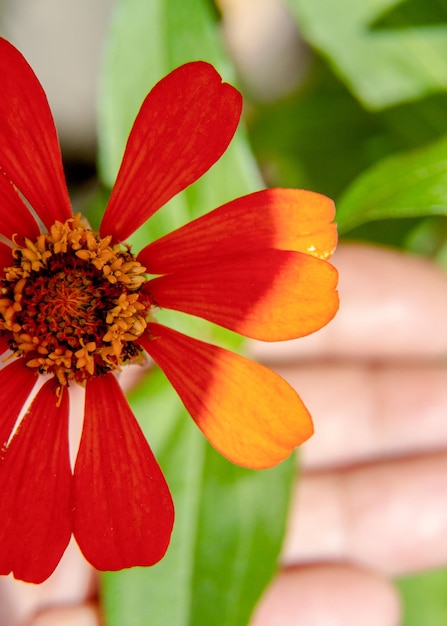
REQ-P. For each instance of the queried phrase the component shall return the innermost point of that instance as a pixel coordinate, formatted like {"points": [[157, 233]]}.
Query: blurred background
{"points": [[358, 83], [340, 97]]}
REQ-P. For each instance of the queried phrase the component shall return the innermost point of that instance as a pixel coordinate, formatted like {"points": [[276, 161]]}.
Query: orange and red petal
{"points": [[16, 384], [15, 216], [35, 484], [248, 413], [183, 127], [30, 156], [270, 295], [285, 219], [123, 513]]}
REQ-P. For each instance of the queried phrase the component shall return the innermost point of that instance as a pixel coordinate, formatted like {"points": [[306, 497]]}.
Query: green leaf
{"points": [[226, 539], [424, 598], [320, 138], [407, 185], [429, 238], [381, 65]]}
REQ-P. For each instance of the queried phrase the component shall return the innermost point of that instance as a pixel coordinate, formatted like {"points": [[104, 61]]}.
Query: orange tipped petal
{"points": [[285, 219], [123, 513], [247, 412], [272, 295], [35, 490], [183, 127]]}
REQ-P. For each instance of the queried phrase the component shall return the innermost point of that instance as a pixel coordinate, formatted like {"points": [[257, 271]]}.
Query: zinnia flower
{"points": [[76, 306]]}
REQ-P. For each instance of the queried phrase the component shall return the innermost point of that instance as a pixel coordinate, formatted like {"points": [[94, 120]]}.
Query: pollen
{"points": [[70, 303]]}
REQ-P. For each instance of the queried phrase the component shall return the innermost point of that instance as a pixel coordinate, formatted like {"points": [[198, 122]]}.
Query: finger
{"points": [[328, 595], [389, 516], [391, 305], [364, 411], [83, 615]]}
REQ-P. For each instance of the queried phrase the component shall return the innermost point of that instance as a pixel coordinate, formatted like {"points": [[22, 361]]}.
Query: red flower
{"points": [[76, 306]]}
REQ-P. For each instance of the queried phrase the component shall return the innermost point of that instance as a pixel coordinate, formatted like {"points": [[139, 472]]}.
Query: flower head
{"points": [[77, 306]]}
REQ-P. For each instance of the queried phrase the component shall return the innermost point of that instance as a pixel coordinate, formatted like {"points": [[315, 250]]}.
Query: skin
{"points": [[369, 504]]}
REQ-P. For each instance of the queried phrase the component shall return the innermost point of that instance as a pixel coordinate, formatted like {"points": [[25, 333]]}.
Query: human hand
{"points": [[370, 503]]}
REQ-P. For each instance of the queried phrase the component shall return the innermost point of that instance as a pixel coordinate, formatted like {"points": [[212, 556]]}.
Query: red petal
{"points": [[35, 482], [30, 154], [16, 384], [285, 219], [246, 411], [5, 257], [270, 295], [184, 125], [15, 216], [4, 343], [123, 509]]}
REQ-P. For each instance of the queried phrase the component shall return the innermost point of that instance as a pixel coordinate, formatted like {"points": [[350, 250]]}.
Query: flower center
{"points": [[70, 303]]}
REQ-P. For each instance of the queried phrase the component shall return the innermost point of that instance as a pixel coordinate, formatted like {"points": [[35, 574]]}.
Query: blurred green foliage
{"points": [[326, 137], [386, 51], [368, 127], [425, 598]]}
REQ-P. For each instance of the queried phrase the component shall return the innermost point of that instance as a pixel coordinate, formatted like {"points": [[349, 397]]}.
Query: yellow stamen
{"points": [[71, 303]]}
